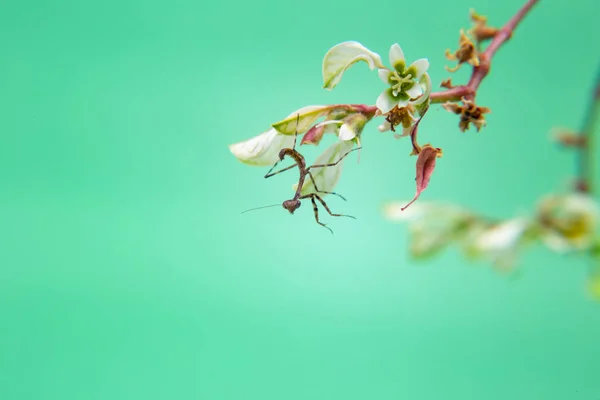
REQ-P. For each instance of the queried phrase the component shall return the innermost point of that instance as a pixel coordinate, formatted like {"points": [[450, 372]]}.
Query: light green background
{"points": [[127, 271]]}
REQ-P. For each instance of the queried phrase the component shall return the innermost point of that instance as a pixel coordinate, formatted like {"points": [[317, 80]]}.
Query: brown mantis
{"points": [[294, 203]]}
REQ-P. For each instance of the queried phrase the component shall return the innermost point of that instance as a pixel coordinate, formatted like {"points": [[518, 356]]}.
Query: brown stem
{"points": [[485, 59], [586, 153]]}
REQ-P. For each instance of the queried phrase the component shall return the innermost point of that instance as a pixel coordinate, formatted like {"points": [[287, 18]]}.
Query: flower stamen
{"points": [[399, 116], [399, 81]]}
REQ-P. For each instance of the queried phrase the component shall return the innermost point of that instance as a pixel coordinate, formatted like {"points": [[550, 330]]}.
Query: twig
{"points": [[480, 72], [586, 153]]}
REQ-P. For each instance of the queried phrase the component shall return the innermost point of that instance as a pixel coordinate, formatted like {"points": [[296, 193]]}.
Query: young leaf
{"points": [[314, 135], [308, 115], [261, 150], [425, 167], [340, 57], [327, 177]]}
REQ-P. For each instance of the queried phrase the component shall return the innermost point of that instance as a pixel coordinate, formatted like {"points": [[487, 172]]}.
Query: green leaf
{"points": [[340, 57]]}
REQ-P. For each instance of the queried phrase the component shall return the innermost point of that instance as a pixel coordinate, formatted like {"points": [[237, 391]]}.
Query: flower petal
{"points": [[425, 83], [341, 56], [385, 126], [414, 91], [504, 236], [418, 68], [569, 222], [397, 58], [384, 75], [406, 131], [330, 122], [386, 101], [500, 243], [261, 150], [346, 133], [402, 100], [326, 178], [556, 242]]}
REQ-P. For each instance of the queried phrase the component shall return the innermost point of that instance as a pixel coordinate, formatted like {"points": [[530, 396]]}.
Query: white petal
{"points": [[385, 126], [581, 204], [327, 177], [330, 122], [570, 221], [397, 57], [386, 102], [414, 91], [341, 56], [419, 67], [403, 101], [384, 75], [262, 150], [406, 131], [556, 243], [425, 83], [346, 133]]}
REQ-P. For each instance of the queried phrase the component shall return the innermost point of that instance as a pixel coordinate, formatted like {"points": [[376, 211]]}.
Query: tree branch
{"points": [[480, 72], [586, 152]]}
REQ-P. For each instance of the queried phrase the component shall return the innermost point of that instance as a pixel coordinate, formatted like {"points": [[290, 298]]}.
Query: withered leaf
{"points": [[425, 167]]}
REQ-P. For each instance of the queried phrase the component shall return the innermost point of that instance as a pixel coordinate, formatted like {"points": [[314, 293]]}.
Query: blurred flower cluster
{"points": [[563, 223]]}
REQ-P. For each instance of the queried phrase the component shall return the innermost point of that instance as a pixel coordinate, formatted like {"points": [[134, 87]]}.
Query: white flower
{"points": [[568, 222], [399, 116], [408, 85]]}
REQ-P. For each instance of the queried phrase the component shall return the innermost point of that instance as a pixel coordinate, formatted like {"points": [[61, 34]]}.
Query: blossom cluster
{"points": [[402, 103]]}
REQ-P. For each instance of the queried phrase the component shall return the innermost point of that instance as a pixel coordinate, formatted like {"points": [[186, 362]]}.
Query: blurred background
{"points": [[128, 272]]}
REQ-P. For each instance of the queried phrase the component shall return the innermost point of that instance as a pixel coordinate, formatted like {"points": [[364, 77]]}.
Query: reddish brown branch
{"points": [[480, 72], [586, 153]]}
